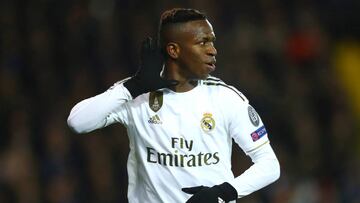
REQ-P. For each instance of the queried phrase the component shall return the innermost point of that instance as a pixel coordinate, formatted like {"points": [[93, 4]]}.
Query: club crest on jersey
{"points": [[156, 100], [254, 117], [207, 122]]}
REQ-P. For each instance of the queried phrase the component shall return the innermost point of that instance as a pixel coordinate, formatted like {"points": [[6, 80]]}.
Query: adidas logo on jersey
{"points": [[155, 120]]}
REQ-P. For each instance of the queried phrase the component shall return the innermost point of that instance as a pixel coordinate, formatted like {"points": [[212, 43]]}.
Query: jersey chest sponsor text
{"points": [[181, 159]]}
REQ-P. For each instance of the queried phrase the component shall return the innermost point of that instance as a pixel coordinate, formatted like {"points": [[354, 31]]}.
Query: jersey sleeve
{"points": [[245, 125], [101, 110]]}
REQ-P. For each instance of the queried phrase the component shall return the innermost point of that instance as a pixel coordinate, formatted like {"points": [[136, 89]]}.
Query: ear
{"points": [[173, 50]]}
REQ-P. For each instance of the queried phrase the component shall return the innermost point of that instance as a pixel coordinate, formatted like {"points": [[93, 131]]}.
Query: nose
{"points": [[212, 51]]}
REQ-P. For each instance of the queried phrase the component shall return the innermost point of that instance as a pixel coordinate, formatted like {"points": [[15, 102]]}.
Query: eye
{"points": [[202, 43]]}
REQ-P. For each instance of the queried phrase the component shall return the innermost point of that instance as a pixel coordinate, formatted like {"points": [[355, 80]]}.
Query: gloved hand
{"points": [[203, 194], [147, 77]]}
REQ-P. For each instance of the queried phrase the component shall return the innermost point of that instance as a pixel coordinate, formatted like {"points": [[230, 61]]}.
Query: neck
{"points": [[184, 86], [172, 72]]}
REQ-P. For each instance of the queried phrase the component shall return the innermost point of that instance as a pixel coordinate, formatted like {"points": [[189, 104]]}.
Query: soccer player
{"points": [[181, 121]]}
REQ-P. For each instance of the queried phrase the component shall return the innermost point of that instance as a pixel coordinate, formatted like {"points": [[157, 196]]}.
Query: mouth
{"points": [[211, 66]]}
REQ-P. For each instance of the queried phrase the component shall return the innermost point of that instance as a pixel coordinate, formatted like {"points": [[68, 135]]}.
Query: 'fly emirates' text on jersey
{"points": [[185, 139]]}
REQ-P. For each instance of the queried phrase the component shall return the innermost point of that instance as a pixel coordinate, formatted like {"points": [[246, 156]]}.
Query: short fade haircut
{"points": [[176, 15]]}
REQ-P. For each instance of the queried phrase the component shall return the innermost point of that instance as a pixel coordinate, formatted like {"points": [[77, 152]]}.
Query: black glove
{"points": [[147, 77], [203, 194]]}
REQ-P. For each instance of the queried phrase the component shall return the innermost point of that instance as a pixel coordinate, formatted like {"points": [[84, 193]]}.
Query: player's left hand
{"points": [[218, 193]]}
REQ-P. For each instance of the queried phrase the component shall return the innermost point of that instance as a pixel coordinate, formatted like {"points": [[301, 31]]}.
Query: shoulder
{"points": [[223, 90]]}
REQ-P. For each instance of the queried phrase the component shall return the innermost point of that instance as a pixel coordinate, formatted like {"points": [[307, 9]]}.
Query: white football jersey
{"points": [[184, 139]]}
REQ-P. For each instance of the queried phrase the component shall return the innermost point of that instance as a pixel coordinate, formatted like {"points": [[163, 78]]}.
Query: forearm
{"points": [[265, 170], [93, 113]]}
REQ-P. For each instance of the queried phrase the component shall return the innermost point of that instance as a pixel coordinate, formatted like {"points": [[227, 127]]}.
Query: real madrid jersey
{"points": [[185, 139]]}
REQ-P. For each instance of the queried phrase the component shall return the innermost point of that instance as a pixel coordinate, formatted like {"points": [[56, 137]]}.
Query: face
{"points": [[196, 51]]}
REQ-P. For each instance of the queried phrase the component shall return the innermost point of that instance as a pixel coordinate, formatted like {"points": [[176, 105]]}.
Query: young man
{"points": [[181, 121]]}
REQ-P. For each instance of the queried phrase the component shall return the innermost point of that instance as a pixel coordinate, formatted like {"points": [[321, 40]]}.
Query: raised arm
{"points": [[99, 111], [106, 108]]}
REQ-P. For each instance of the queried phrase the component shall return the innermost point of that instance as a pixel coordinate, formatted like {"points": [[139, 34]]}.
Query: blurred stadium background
{"points": [[298, 62]]}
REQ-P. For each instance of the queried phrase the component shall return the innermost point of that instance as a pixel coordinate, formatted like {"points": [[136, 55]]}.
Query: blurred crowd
{"points": [[283, 55]]}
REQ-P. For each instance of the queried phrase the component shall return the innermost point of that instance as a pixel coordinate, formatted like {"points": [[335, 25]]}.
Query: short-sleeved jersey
{"points": [[185, 139]]}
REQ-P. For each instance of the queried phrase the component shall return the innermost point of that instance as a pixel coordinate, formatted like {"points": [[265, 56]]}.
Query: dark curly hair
{"points": [[174, 16]]}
